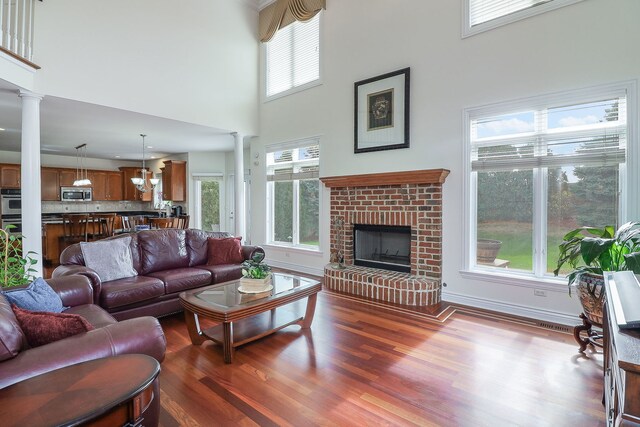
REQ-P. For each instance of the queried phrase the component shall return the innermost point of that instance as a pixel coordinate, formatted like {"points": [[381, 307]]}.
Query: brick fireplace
{"points": [[412, 199]]}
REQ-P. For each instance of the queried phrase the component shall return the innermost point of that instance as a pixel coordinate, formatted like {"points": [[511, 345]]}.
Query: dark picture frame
{"points": [[382, 112]]}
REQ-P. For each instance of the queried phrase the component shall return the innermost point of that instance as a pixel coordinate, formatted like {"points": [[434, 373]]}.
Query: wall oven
{"points": [[11, 209], [75, 194]]}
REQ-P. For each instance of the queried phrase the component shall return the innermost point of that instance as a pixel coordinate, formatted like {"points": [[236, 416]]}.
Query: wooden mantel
{"points": [[427, 176]]}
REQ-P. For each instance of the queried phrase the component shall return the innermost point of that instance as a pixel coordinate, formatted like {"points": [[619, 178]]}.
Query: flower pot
{"points": [[249, 285], [590, 289], [487, 250]]}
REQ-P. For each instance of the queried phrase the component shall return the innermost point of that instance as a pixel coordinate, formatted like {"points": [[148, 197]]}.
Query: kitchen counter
{"points": [[56, 218]]}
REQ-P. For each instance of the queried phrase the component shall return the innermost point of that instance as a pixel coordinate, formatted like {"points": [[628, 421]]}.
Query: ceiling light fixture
{"points": [[82, 176], [142, 183]]}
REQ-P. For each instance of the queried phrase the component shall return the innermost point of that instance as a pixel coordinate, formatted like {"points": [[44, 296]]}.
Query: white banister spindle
{"points": [[16, 26]]}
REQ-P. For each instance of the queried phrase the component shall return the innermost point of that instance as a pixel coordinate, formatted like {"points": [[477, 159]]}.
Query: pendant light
{"points": [[82, 176], [142, 184]]}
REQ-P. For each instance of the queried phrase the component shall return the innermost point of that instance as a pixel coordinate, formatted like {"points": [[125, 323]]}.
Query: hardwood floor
{"points": [[364, 365]]}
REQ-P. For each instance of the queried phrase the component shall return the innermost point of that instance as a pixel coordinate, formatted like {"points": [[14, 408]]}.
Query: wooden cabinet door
{"points": [[50, 184], [174, 180], [10, 176], [99, 185], [66, 177], [114, 186], [129, 191]]}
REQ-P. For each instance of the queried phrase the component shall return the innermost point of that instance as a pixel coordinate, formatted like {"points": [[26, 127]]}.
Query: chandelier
{"points": [[142, 183], [82, 176]]}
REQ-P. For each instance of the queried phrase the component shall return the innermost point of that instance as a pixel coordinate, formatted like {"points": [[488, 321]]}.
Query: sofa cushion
{"points": [[225, 251], [93, 314], [181, 279], [130, 290], [224, 272], [12, 339], [38, 296], [110, 259], [197, 243], [162, 250], [42, 328]]}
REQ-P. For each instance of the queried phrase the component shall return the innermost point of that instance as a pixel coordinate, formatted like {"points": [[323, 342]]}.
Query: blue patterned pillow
{"points": [[38, 296]]}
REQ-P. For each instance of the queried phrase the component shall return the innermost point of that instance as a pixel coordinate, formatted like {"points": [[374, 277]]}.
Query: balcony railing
{"points": [[16, 25]]}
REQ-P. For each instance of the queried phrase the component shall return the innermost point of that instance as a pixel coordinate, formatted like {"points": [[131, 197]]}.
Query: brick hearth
{"points": [[411, 199]]}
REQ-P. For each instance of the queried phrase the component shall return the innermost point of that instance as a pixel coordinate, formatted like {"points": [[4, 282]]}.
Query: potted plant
{"points": [[256, 275], [15, 270], [591, 251]]}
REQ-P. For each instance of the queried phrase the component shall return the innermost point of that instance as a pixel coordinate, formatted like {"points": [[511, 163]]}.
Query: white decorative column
{"points": [[30, 178], [239, 185]]}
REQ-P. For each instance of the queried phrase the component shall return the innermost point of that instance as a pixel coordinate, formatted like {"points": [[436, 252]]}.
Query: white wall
{"points": [[194, 61], [577, 46]]}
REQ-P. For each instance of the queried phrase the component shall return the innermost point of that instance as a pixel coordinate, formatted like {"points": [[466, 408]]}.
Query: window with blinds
{"points": [[541, 167], [483, 15], [293, 57], [293, 194]]}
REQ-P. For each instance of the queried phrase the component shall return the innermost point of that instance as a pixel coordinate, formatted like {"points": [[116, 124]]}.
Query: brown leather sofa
{"points": [[19, 362], [168, 261]]}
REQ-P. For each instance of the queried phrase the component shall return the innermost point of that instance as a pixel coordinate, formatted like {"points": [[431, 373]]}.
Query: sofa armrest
{"points": [[248, 251], [94, 279], [73, 290], [142, 335]]}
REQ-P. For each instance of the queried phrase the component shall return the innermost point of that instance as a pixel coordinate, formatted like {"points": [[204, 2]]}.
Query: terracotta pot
{"points": [[590, 289], [487, 250]]}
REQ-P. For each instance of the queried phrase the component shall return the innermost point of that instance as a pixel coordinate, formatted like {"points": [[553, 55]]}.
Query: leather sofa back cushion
{"points": [[42, 328], [111, 259], [12, 338], [225, 251], [197, 242], [163, 250]]}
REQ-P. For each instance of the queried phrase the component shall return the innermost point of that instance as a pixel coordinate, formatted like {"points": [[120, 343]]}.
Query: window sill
{"points": [[514, 279], [295, 249], [291, 91]]}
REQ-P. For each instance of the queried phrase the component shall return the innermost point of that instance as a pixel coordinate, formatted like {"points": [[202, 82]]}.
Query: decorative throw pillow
{"points": [[224, 251], [38, 296], [42, 328], [110, 259]]}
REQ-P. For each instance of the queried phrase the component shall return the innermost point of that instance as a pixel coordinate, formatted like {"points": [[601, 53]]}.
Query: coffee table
{"points": [[246, 317]]}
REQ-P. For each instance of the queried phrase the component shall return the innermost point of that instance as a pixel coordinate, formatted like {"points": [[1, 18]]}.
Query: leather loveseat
{"points": [[168, 261], [109, 337]]}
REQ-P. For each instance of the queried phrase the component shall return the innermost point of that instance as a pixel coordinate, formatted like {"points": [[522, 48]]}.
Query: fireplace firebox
{"points": [[382, 246]]}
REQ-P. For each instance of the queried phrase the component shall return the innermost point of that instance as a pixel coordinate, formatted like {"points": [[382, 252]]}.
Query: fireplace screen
{"points": [[382, 246]]}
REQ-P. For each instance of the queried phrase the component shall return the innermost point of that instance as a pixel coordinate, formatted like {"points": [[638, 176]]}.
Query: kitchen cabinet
{"points": [[9, 176], [174, 180], [129, 191], [50, 184], [66, 177], [99, 185], [114, 185]]}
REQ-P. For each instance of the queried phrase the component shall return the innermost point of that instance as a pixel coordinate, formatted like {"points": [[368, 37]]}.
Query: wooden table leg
{"points": [[227, 343], [193, 326], [311, 309]]}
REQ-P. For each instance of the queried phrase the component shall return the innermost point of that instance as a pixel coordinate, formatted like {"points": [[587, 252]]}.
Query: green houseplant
{"points": [[254, 268], [590, 251], [15, 270]]}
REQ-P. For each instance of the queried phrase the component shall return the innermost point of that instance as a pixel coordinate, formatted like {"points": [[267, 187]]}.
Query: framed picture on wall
{"points": [[382, 112]]}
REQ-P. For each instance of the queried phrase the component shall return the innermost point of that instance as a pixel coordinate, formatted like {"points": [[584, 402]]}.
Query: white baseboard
{"points": [[297, 267], [513, 309]]}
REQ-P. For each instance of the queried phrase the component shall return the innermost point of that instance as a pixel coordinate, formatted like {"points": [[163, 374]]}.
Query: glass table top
{"points": [[228, 295]]}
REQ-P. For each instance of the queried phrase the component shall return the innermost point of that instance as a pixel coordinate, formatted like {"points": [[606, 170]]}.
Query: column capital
{"points": [[28, 94]]}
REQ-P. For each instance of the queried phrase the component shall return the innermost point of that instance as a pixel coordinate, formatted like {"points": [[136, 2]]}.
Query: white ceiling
{"points": [[109, 133]]}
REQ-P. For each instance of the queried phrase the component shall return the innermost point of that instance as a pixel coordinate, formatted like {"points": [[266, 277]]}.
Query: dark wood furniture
{"points": [[162, 223], [247, 317], [621, 367], [102, 225], [592, 336], [75, 228], [109, 391], [174, 180]]}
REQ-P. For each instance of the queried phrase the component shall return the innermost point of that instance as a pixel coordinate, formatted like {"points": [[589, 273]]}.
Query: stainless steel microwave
{"points": [[75, 194]]}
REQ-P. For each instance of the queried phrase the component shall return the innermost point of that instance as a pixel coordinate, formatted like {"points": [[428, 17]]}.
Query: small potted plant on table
{"points": [[256, 275], [591, 251]]}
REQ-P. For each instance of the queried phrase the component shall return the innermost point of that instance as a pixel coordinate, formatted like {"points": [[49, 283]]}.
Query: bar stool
{"points": [[74, 229], [102, 225], [182, 221], [162, 223], [129, 223]]}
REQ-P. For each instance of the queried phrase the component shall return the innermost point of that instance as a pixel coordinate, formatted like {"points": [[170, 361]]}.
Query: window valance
{"points": [[283, 12]]}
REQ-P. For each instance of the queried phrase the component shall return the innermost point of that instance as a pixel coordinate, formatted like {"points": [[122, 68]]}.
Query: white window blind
{"points": [[482, 15], [293, 56], [592, 133]]}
